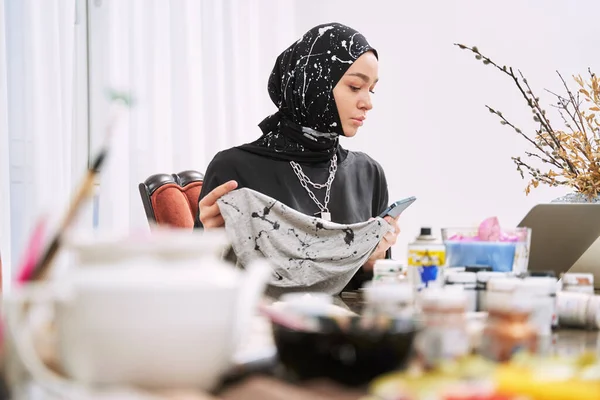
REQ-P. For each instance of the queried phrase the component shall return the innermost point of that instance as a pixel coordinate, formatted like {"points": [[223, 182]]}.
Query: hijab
{"points": [[307, 125]]}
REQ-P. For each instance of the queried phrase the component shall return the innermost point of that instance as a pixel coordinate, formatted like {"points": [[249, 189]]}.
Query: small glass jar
{"points": [[508, 329], [593, 313], [578, 282], [388, 271], [572, 309], [543, 293], [498, 289], [483, 277], [468, 281], [444, 335], [394, 300]]}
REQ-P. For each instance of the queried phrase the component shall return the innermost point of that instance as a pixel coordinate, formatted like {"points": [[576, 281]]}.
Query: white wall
{"points": [[429, 127]]}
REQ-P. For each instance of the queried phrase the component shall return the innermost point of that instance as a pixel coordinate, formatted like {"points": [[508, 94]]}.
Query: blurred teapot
{"points": [[141, 320], [172, 246]]}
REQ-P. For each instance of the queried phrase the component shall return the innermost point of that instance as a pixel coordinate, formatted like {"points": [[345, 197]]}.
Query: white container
{"points": [[572, 308], [500, 290], [387, 271], [483, 277], [540, 291], [394, 300], [593, 313], [445, 335], [468, 281], [543, 291], [578, 282]]}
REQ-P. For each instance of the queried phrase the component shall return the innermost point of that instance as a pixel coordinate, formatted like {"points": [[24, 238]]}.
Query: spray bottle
{"points": [[426, 255]]}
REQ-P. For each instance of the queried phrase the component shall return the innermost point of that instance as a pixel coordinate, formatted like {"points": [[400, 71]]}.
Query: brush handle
{"points": [[83, 193], [85, 189]]}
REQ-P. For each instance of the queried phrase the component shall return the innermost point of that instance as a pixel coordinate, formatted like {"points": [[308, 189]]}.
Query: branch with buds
{"points": [[569, 157]]}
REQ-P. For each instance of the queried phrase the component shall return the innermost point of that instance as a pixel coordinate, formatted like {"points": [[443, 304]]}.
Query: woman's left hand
{"points": [[385, 243]]}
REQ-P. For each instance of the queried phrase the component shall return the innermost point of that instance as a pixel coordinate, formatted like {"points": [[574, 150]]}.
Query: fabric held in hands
{"points": [[307, 253]]}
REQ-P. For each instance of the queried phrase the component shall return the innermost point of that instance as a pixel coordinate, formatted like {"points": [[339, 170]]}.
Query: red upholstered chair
{"points": [[172, 200]]}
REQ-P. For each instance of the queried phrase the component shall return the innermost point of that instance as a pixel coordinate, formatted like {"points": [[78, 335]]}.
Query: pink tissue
{"points": [[489, 231]]}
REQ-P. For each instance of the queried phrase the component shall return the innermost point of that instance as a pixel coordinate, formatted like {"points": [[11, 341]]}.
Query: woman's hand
{"points": [[210, 214], [384, 244]]}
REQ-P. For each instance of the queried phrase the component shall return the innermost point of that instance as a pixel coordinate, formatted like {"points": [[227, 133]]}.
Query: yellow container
{"points": [[516, 380]]}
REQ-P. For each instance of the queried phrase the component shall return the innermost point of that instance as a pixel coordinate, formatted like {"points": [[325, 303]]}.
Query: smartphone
{"points": [[396, 209]]}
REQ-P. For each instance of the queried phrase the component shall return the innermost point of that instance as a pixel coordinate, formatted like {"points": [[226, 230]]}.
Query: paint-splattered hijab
{"points": [[306, 126]]}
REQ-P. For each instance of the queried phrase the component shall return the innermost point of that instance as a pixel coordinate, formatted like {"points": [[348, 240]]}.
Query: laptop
{"points": [[565, 237]]}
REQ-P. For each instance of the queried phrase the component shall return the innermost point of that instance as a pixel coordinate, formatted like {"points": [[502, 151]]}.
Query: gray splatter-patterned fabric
{"points": [[307, 125], [307, 253]]}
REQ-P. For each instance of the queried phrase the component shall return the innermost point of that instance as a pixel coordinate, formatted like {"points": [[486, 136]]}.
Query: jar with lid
{"points": [[444, 335], [578, 310], [593, 312], [543, 293], [390, 301], [388, 271], [572, 308], [468, 281], [578, 282], [483, 277], [508, 329], [500, 288]]}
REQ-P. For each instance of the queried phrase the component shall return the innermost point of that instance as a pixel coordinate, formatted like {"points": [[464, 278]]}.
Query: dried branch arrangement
{"points": [[569, 155]]}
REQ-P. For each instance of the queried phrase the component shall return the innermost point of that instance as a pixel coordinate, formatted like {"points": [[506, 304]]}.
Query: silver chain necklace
{"points": [[305, 181]]}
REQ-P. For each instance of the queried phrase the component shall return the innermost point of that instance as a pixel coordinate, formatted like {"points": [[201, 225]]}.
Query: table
{"points": [[270, 383], [562, 342]]}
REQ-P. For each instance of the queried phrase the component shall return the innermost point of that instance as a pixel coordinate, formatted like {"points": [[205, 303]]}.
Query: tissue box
{"points": [[508, 253]]}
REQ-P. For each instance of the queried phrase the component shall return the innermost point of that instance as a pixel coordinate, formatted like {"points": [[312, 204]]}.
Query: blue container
{"points": [[498, 255]]}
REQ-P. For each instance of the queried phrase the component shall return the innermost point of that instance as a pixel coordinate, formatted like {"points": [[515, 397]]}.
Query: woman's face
{"points": [[353, 92]]}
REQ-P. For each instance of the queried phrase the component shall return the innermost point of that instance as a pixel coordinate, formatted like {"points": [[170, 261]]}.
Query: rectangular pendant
{"points": [[326, 216]]}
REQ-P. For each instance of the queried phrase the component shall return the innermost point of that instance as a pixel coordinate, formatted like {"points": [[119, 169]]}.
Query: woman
{"points": [[322, 86]]}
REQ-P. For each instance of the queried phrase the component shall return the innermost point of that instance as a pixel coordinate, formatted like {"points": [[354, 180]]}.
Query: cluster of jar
{"points": [[494, 313]]}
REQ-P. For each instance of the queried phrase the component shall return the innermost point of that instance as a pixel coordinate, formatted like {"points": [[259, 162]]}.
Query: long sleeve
{"points": [[219, 171], [380, 203]]}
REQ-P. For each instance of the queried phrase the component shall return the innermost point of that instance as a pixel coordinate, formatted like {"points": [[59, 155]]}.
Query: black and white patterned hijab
{"points": [[307, 124]]}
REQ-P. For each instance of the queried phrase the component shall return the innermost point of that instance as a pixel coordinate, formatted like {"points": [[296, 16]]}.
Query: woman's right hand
{"points": [[210, 214]]}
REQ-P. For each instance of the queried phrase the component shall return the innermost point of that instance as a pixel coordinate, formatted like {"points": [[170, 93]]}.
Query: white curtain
{"points": [[5, 248], [198, 72], [38, 158]]}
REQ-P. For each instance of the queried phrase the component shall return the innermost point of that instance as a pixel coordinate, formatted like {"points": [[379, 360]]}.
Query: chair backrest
{"points": [[172, 199]]}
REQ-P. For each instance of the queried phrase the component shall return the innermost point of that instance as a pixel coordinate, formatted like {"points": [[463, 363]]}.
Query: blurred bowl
{"points": [[344, 349]]}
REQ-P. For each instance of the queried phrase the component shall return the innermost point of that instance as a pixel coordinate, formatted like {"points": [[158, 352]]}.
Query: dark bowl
{"points": [[352, 355]]}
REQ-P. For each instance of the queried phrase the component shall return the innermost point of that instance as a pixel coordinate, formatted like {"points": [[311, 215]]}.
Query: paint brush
{"points": [[82, 194], [33, 251]]}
